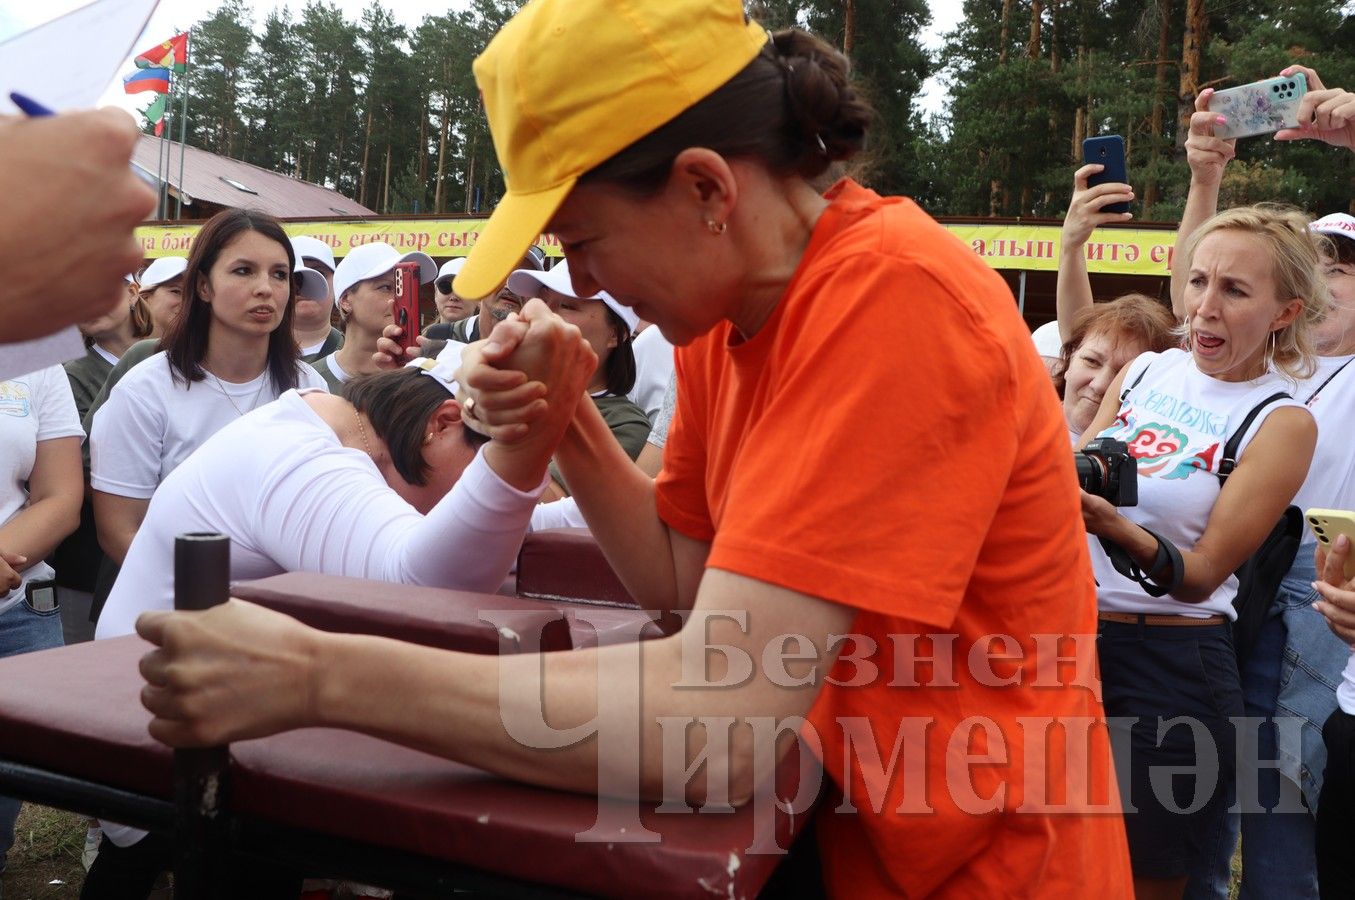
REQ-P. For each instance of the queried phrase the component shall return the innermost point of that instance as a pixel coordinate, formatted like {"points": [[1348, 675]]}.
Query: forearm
{"points": [[1200, 578], [37, 529], [1073, 290], [493, 712], [1202, 202], [618, 502]]}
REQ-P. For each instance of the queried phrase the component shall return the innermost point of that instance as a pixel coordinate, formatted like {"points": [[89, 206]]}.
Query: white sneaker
{"points": [[92, 838]]}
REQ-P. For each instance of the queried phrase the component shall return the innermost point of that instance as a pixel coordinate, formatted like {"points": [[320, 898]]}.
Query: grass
{"points": [[45, 859]]}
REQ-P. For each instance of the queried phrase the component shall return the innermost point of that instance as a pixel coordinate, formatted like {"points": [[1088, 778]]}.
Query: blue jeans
{"points": [[23, 630], [1291, 675]]}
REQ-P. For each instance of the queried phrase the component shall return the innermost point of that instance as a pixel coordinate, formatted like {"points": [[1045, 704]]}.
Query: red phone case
{"points": [[407, 302]]}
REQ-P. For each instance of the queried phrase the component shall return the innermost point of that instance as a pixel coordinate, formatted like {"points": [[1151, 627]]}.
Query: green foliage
{"points": [[390, 114], [1006, 144]]}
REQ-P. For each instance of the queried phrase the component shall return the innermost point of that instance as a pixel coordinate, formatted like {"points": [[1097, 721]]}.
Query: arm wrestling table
{"points": [[342, 804]]}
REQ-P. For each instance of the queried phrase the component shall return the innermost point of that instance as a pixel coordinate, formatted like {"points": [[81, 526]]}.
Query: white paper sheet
{"points": [[67, 63], [91, 42]]}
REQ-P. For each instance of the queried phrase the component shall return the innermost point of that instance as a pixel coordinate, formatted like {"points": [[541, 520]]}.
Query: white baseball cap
{"points": [[304, 245], [162, 270], [1047, 340], [378, 258], [310, 284], [1336, 223], [525, 282], [452, 266]]}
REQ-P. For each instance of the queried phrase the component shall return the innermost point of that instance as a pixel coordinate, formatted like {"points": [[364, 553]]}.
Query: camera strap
{"points": [[1230, 454], [1166, 564]]}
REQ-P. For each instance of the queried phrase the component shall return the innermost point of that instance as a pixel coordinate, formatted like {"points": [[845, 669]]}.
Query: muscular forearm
{"points": [[617, 500], [37, 529]]}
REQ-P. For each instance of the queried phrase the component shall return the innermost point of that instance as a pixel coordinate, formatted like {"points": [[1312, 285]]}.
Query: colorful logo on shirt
{"points": [[1155, 445], [14, 399]]}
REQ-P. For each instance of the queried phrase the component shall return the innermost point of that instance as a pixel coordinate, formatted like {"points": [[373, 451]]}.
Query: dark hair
{"points": [[1133, 317], [186, 342], [143, 323], [792, 107], [621, 361], [1341, 249], [399, 403]]}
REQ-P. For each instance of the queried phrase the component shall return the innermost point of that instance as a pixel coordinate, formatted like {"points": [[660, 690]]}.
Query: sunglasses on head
{"points": [[444, 284]]}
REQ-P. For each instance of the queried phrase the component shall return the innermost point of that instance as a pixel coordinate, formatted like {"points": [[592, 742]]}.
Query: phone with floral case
{"points": [[1262, 107]]}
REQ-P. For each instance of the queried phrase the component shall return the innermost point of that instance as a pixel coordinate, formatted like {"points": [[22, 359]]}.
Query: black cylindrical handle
{"points": [[202, 570]]}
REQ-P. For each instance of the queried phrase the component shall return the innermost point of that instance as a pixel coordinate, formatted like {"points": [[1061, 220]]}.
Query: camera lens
{"points": [[1274, 87]]}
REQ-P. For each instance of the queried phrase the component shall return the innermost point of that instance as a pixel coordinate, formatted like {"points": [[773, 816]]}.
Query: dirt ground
{"points": [[45, 860]]}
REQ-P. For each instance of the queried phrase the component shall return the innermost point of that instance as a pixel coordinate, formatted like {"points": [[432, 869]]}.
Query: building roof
{"points": [[220, 180]]}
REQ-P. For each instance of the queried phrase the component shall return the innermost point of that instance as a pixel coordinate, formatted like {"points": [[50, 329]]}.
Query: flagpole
{"points": [[183, 130], [162, 172]]}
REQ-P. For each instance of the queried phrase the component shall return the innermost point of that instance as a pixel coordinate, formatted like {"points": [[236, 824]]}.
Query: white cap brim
{"points": [[313, 285], [161, 270], [303, 245], [526, 282], [373, 260]]}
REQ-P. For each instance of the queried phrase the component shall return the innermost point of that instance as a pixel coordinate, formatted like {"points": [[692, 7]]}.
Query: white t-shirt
{"points": [[335, 369], [653, 368], [153, 421], [1176, 422], [299, 500], [35, 407], [1331, 480]]}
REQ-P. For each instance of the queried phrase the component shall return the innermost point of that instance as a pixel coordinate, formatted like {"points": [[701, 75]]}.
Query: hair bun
{"points": [[830, 114]]}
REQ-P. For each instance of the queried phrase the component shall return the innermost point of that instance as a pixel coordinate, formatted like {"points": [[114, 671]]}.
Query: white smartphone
{"points": [[1327, 524], [1262, 107]]}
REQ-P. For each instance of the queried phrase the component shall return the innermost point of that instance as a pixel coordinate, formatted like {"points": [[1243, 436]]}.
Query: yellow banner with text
{"points": [[1118, 251]]}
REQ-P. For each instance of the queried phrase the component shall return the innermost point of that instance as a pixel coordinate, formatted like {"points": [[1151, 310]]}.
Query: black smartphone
{"points": [[1107, 151]]}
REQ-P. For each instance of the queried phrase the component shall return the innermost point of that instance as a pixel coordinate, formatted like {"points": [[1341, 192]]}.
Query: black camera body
{"points": [[1105, 469]]}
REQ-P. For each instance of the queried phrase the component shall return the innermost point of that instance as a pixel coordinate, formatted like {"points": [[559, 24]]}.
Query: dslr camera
{"points": [[1105, 469]]}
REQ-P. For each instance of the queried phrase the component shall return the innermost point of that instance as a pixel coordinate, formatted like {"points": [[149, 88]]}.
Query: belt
{"points": [[1146, 619]]}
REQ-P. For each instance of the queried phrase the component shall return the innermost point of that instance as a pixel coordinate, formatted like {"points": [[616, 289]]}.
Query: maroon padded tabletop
{"points": [[436, 617], [74, 710], [568, 564]]}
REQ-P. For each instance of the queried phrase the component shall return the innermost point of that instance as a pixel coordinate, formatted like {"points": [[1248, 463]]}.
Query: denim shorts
{"points": [[1172, 775], [23, 629]]}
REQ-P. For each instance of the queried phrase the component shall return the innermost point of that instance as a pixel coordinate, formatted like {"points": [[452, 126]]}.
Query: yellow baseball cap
{"points": [[568, 84]]}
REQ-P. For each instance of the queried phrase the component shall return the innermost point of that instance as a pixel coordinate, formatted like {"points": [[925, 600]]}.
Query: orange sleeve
{"points": [[874, 468], [680, 492]]}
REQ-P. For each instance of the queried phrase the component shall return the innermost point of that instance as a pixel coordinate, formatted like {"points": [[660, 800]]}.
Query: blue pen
{"points": [[34, 109]]}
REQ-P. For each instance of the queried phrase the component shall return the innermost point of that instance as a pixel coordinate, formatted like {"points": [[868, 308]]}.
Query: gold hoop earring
{"points": [[716, 228]]}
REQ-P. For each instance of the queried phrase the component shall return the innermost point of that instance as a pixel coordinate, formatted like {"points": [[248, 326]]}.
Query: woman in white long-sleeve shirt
{"points": [[386, 483]]}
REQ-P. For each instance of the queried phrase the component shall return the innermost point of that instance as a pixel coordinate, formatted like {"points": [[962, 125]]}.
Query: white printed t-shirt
{"points": [[1175, 422], [152, 421], [653, 370], [299, 500], [35, 407]]}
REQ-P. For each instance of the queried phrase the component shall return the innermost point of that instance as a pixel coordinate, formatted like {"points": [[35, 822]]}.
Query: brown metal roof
{"points": [[214, 179]]}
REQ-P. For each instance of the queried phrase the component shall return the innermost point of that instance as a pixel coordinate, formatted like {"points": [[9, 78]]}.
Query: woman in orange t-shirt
{"points": [[865, 445]]}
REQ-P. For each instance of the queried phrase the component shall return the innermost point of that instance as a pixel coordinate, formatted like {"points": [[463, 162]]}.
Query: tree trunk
{"points": [[386, 186], [1192, 47], [1006, 32], [442, 158], [366, 149], [423, 142], [1164, 9], [470, 169], [848, 27], [1033, 45]]}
